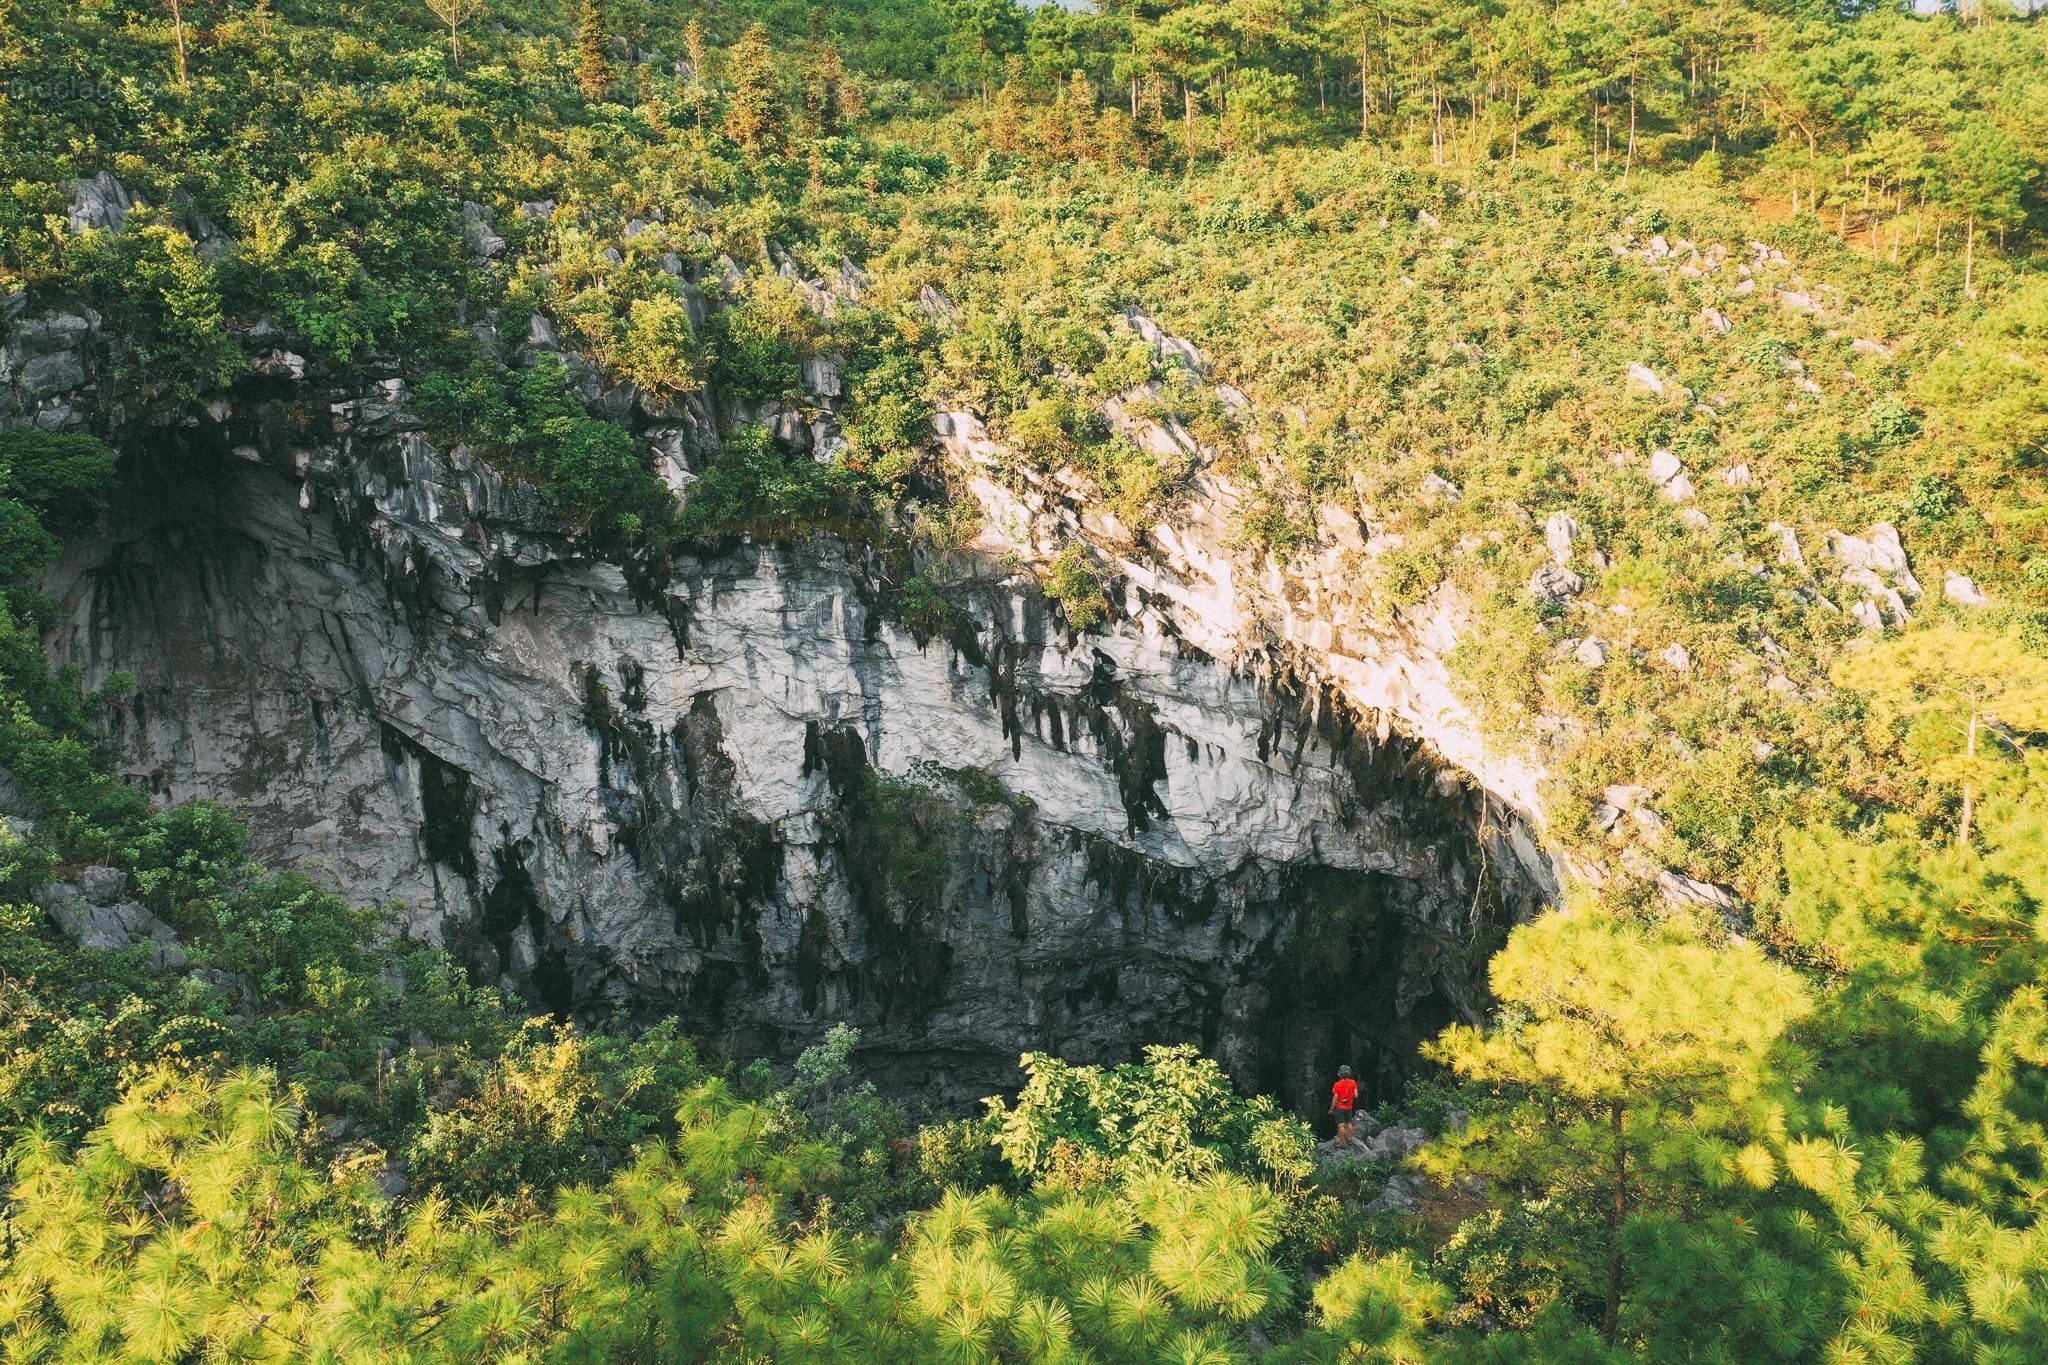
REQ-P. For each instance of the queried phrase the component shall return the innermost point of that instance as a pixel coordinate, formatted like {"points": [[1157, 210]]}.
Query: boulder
{"points": [[936, 305], [281, 364], [1664, 467], [47, 375], [1396, 1142], [103, 885], [538, 210], [1676, 656], [1718, 322], [101, 204], [1677, 889], [1591, 652], [1789, 553], [1963, 591], [853, 281], [1553, 584], [1737, 476], [821, 376], [114, 924], [1642, 377], [1440, 489], [1398, 1197], [1692, 517], [12, 306], [1796, 301]]}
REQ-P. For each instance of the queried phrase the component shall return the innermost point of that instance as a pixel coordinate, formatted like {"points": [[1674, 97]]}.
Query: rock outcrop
{"points": [[748, 793]]}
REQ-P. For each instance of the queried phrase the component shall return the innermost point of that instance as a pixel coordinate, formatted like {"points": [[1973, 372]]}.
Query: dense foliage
{"points": [[1433, 250]]}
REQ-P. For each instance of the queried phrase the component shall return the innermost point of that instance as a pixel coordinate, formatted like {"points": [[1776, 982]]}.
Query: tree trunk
{"points": [[1969, 786], [1610, 1318], [1630, 164], [1364, 85], [178, 23]]}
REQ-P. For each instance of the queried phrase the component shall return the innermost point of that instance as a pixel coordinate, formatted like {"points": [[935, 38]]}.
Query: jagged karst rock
{"points": [[96, 912], [1552, 584], [479, 232], [101, 203], [1559, 532], [1878, 551]]}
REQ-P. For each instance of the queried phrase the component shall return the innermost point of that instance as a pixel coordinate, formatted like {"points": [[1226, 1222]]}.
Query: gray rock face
{"points": [[1553, 583], [95, 912], [749, 793], [43, 361], [101, 204], [479, 232]]}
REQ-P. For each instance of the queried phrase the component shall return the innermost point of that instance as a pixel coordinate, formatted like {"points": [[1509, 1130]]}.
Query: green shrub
{"points": [[1070, 581]]}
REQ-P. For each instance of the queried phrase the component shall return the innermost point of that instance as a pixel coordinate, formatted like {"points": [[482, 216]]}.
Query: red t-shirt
{"points": [[1344, 1094]]}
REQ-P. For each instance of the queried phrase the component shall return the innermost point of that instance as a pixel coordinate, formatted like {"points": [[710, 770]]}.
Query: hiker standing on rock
{"points": [[1344, 1104]]}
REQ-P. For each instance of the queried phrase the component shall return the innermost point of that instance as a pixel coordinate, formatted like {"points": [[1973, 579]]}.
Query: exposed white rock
{"points": [[1789, 553], [1718, 322], [1644, 378], [1680, 890], [1440, 489], [1559, 532], [1676, 656], [1736, 476], [1879, 551], [1591, 652], [935, 303], [1962, 590], [1694, 520], [1890, 604]]}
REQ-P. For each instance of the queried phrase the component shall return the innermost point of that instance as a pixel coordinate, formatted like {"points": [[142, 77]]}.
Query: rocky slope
{"points": [[752, 795]]}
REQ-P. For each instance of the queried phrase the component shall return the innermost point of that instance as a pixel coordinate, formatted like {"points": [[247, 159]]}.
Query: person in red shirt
{"points": [[1344, 1104]]}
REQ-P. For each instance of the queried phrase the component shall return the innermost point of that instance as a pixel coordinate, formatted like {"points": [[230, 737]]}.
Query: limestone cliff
{"points": [[750, 793]]}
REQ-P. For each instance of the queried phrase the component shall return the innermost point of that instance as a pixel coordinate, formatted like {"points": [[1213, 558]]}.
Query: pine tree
{"points": [[697, 93], [1007, 133], [593, 48], [829, 97], [1619, 1040], [753, 107], [1977, 686]]}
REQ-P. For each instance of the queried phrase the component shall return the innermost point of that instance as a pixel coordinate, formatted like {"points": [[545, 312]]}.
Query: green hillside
{"points": [[1733, 316]]}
